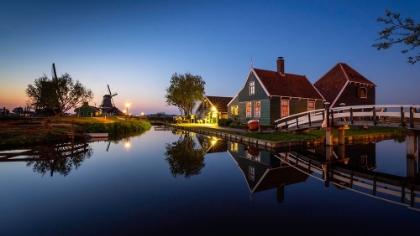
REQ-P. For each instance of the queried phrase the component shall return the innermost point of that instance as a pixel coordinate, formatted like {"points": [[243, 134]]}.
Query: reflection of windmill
{"points": [[108, 101]]}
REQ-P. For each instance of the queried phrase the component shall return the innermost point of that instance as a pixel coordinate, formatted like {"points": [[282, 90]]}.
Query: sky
{"points": [[136, 46]]}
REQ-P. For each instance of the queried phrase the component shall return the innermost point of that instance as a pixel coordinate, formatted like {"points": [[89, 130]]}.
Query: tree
{"points": [[59, 95], [184, 91], [404, 31]]}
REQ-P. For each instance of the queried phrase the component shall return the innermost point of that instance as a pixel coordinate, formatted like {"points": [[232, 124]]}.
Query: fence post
{"points": [[402, 117], [411, 117], [309, 119], [374, 116], [351, 115], [327, 109]]}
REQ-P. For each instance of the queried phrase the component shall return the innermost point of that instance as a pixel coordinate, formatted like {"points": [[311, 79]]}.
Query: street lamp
{"points": [[127, 105]]}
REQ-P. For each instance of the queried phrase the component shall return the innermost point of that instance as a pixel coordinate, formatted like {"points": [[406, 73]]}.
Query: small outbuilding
{"points": [[87, 111]]}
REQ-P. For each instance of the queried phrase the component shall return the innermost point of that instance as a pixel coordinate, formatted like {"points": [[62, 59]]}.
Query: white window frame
{"points": [[251, 173], [251, 87], [248, 111], [257, 109]]}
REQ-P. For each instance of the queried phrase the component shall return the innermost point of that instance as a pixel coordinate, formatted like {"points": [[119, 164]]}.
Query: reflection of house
{"points": [[263, 171], [360, 156], [269, 95], [212, 108], [343, 85], [87, 111], [211, 144]]}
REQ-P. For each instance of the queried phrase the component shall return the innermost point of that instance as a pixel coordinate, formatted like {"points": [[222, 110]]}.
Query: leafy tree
{"points": [[185, 90], [183, 158], [405, 31], [59, 95]]}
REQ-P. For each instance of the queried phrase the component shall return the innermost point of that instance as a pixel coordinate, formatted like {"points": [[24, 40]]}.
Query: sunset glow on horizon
{"points": [[136, 46]]}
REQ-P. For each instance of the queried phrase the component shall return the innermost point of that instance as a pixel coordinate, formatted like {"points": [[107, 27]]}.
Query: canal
{"points": [[172, 182]]}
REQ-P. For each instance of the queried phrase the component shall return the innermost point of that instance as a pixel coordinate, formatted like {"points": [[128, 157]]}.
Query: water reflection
{"points": [[346, 167], [183, 157], [59, 158], [211, 144], [263, 170]]}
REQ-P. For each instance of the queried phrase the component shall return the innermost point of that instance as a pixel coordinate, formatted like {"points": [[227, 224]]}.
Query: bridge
{"points": [[341, 118]]}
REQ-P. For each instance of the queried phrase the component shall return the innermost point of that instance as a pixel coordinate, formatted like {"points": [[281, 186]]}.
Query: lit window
{"points": [[362, 92], [251, 87], [234, 110], [257, 109], [248, 109], [311, 106], [284, 107]]}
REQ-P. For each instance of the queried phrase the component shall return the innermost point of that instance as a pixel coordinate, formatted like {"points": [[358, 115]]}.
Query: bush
{"points": [[225, 122], [118, 128]]}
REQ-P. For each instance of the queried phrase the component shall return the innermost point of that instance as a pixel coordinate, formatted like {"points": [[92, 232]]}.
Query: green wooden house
{"points": [[211, 109], [87, 111], [269, 95]]}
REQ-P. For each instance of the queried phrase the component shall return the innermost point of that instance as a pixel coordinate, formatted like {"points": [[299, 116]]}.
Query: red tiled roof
{"points": [[330, 84], [289, 85]]}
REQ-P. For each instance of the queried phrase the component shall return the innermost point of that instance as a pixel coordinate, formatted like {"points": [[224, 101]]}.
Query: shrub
{"points": [[225, 122]]}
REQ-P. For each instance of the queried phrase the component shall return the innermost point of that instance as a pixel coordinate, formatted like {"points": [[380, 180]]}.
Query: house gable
{"points": [[260, 92], [338, 80]]}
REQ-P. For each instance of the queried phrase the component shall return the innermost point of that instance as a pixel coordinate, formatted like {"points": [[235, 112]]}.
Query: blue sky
{"points": [[136, 46]]}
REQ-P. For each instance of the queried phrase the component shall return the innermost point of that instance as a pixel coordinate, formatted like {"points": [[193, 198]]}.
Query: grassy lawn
{"points": [[284, 137]]}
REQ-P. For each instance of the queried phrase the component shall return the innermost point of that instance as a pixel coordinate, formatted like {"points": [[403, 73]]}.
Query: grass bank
{"points": [[277, 136], [114, 126]]}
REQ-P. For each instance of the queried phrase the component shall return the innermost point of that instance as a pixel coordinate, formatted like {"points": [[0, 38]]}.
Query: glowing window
{"points": [[284, 108], [257, 109], [248, 109]]}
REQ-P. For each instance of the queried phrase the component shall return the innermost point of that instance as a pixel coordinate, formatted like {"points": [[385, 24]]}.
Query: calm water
{"points": [[155, 183]]}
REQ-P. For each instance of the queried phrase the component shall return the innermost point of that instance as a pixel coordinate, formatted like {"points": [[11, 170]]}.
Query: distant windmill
{"points": [[108, 101], [49, 93]]}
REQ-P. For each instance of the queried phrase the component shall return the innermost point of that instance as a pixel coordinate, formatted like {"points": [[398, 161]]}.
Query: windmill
{"points": [[107, 100], [49, 93]]}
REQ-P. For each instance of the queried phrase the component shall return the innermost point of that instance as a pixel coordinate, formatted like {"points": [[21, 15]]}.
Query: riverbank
{"points": [[270, 139], [23, 132]]}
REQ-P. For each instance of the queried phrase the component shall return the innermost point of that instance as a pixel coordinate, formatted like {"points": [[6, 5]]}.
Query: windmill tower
{"points": [[107, 100]]}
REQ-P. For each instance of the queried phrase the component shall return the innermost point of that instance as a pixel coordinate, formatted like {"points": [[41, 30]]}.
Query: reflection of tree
{"points": [[183, 159], [60, 158]]}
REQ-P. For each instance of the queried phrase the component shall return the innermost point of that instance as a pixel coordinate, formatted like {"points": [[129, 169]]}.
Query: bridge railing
{"points": [[307, 117], [402, 114]]}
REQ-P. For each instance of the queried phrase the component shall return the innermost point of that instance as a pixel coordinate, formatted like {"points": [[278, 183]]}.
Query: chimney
{"points": [[280, 65]]}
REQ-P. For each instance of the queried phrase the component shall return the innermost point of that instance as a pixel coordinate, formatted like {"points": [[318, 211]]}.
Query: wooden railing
{"points": [[400, 115]]}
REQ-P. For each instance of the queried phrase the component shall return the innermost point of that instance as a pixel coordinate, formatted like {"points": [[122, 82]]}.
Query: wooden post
{"points": [[411, 117], [412, 154], [329, 136], [327, 109], [402, 117], [374, 116], [309, 118], [351, 115]]}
